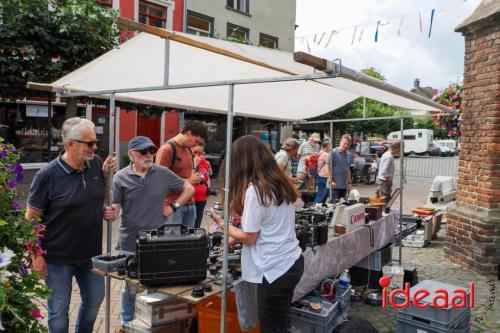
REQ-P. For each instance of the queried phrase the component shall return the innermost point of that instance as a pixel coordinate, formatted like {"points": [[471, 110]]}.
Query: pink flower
{"points": [[36, 314]]}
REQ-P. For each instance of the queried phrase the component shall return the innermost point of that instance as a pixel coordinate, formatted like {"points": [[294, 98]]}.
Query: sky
{"points": [[436, 61]]}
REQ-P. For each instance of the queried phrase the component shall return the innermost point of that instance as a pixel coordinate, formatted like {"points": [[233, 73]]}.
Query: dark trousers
{"points": [[275, 298], [337, 193], [200, 206]]}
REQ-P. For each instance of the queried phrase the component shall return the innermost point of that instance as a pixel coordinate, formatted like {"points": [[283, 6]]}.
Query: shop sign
{"points": [[38, 111]]}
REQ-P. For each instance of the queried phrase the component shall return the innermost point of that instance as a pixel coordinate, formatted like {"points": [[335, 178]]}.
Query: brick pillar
{"points": [[473, 232]]}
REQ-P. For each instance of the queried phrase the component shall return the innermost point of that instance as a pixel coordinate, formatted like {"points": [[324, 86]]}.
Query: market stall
{"points": [[222, 77]]}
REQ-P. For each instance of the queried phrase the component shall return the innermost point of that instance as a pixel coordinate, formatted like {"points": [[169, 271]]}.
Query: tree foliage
{"points": [[43, 40], [375, 109]]}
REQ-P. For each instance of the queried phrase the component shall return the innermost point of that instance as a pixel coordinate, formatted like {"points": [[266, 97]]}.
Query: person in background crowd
{"points": [[139, 190], [285, 155], [176, 155], [306, 149], [386, 170], [68, 196], [202, 166], [271, 256], [338, 167], [359, 166], [321, 179]]}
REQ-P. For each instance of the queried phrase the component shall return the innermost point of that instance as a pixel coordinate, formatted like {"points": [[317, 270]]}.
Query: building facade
{"points": [[257, 22]]}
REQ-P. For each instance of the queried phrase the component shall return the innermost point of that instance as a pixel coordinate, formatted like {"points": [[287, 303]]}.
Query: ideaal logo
{"points": [[441, 298]]}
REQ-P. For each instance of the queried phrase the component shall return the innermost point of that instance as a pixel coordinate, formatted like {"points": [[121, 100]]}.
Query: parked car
{"points": [[437, 149], [377, 149]]}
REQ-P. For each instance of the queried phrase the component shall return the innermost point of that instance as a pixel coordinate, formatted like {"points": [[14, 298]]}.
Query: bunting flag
{"points": [[308, 47], [420, 22], [376, 32], [354, 35], [315, 35], [430, 26], [321, 38], [400, 25], [330, 38], [361, 34]]}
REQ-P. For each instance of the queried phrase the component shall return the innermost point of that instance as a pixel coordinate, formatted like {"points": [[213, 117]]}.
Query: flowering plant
{"points": [[452, 98], [21, 289]]}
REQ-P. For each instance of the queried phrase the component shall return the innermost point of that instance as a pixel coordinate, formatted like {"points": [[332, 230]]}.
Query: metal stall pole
{"points": [[109, 230], [49, 132], [401, 177], [166, 72], [117, 139], [331, 144], [227, 189]]}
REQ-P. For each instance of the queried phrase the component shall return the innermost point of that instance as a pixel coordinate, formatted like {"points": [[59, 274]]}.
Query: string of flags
{"points": [[325, 38]]}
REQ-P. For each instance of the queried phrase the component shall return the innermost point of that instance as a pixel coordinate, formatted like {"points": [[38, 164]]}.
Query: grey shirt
{"points": [[141, 200], [386, 166], [339, 167]]}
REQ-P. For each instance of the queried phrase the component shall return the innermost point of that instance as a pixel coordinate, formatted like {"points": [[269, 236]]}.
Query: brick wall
{"points": [[473, 232]]}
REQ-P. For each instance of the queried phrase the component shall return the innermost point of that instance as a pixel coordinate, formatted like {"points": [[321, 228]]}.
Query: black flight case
{"points": [[171, 254]]}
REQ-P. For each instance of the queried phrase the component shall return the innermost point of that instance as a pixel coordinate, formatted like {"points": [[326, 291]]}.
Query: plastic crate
{"points": [[445, 315], [376, 260], [413, 324], [461, 322], [110, 266]]}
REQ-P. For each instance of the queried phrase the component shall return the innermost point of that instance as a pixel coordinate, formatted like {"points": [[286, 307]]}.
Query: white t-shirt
{"points": [[276, 248], [386, 167]]}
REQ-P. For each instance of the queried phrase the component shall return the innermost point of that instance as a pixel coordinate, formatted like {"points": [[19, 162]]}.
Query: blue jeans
{"points": [[185, 215], [322, 190], [128, 294], [59, 280]]}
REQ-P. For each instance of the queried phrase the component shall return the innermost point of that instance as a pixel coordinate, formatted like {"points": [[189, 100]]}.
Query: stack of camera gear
{"points": [[216, 257], [311, 227]]}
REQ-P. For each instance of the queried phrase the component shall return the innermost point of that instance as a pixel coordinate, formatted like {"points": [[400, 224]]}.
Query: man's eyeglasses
{"points": [[89, 144], [151, 150]]}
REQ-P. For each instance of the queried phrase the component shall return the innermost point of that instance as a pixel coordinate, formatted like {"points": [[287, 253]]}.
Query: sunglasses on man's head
{"points": [[151, 150], [89, 144]]}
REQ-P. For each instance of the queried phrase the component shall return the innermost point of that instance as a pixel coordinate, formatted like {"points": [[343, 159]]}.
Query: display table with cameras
{"points": [[181, 291], [323, 261]]}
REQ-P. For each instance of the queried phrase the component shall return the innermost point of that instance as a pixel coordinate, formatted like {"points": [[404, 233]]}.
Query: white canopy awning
{"points": [[139, 62]]}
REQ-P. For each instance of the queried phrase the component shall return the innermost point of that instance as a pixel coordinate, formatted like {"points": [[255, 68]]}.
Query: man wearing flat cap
{"points": [[139, 190], [306, 149]]}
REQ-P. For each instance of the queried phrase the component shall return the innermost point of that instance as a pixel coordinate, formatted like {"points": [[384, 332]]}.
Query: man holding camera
{"points": [[139, 190]]}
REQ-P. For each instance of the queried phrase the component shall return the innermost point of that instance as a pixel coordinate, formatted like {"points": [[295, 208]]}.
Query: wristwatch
{"points": [[175, 206]]}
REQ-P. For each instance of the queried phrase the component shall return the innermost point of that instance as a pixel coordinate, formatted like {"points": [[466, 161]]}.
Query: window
{"points": [[419, 134], [199, 24], [395, 136], [105, 3], [152, 14], [409, 137], [238, 33], [268, 41], [239, 5]]}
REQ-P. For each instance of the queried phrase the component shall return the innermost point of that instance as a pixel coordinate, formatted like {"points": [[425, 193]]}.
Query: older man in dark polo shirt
{"points": [[139, 190], [68, 195], [176, 155]]}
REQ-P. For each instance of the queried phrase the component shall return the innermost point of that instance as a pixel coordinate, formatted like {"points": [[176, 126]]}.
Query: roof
{"points": [[139, 62], [486, 10]]}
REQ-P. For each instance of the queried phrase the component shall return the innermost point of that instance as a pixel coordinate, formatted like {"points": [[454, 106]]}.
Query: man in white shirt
{"points": [[386, 170]]}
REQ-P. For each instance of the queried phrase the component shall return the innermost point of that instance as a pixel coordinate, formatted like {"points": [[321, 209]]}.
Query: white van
{"points": [[416, 141]]}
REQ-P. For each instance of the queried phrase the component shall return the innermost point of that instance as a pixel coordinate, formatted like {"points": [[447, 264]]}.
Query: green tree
{"points": [[43, 40]]}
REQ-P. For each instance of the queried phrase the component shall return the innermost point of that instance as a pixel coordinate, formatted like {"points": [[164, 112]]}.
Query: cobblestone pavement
{"points": [[432, 265], [429, 261]]}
